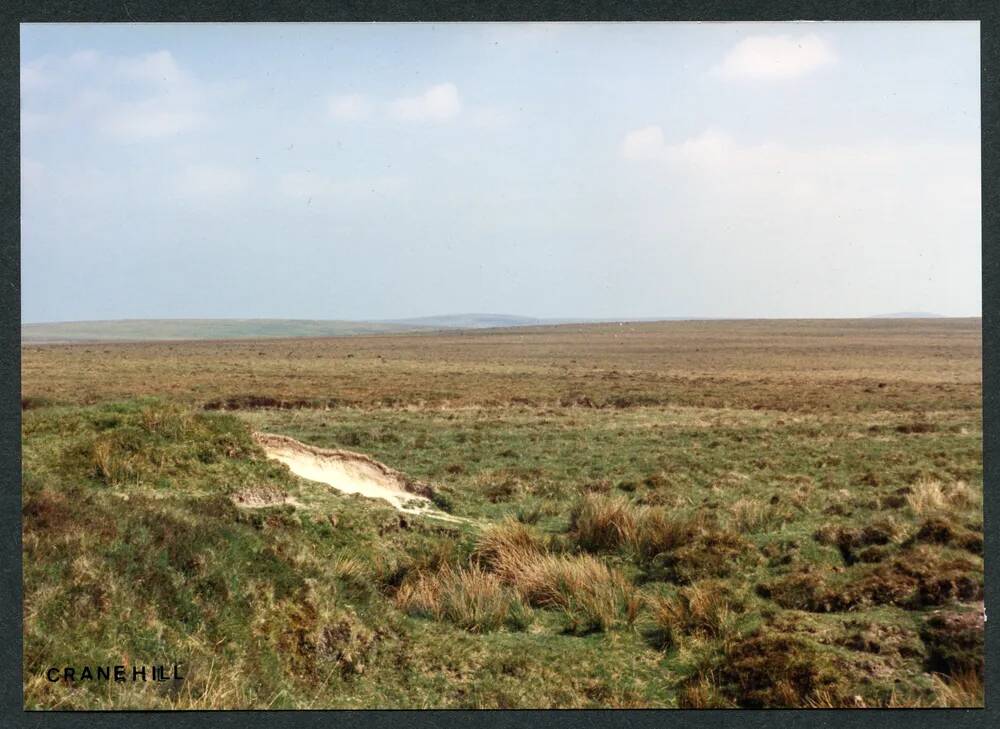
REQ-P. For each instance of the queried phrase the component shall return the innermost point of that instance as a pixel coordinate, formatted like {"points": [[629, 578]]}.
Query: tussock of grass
{"points": [[600, 522], [754, 516], [154, 441], [470, 598], [954, 640], [706, 609], [929, 497], [502, 545], [351, 568], [962, 690], [593, 596], [703, 692], [659, 530], [963, 495], [673, 546]]}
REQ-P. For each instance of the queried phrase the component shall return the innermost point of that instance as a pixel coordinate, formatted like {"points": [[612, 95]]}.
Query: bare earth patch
{"points": [[352, 473]]}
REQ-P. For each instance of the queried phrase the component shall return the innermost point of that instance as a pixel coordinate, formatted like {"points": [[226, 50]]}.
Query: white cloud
{"points": [[172, 104], [157, 67], [127, 98], [809, 223], [348, 107], [210, 181], [644, 144], [438, 103], [776, 57], [717, 156], [711, 148]]}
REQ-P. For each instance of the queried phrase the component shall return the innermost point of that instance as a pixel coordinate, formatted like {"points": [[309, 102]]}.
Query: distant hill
{"points": [[908, 315], [179, 329], [132, 330], [474, 321], [153, 330]]}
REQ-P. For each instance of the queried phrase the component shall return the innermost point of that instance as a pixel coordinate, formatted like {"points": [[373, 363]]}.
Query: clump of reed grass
{"points": [[752, 515], [600, 523], [930, 497], [960, 690], [471, 598], [593, 596], [706, 609]]}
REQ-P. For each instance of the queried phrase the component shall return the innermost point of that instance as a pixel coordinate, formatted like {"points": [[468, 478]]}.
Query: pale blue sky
{"points": [[367, 171]]}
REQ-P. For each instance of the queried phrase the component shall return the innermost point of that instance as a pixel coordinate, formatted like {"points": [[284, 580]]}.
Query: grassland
{"points": [[682, 514]]}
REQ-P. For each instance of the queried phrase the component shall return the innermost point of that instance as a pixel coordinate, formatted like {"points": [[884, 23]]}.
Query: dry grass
{"points": [[835, 365], [351, 568], [958, 691], [600, 522], [961, 495], [753, 515], [659, 530], [703, 693], [930, 497], [677, 546], [593, 596], [706, 609], [502, 545], [927, 497], [471, 598]]}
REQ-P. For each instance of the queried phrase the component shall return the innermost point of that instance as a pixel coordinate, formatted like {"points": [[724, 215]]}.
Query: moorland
{"points": [[675, 514]]}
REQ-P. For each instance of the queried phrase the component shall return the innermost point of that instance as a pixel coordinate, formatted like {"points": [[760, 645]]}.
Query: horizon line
{"points": [[538, 319]]}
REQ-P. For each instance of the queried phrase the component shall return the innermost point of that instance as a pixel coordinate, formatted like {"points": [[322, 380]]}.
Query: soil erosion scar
{"points": [[352, 473]]}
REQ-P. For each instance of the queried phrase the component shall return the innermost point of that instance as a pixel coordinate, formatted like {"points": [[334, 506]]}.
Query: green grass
{"points": [[152, 560]]}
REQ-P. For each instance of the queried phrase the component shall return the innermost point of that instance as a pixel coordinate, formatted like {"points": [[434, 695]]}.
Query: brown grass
{"points": [[927, 497], [834, 366], [600, 522], [471, 598], [659, 530], [593, 596], [753, 515], [706, 609], [962, 690]]}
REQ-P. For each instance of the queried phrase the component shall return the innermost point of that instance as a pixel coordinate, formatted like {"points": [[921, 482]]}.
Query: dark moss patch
{"points": [[710, 554], [773, 669], [955, 641]]}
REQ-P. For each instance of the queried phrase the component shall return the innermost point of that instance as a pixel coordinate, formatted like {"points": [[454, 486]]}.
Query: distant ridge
{"points": [[160, 330], [908, 315], [475, 321], [144, 330]]}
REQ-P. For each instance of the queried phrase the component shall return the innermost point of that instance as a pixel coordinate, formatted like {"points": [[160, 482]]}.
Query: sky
{"points": [[584, 170]]}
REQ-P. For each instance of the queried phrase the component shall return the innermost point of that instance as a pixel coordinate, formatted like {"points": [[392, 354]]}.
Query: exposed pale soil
{"points": [[352, 473]]}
